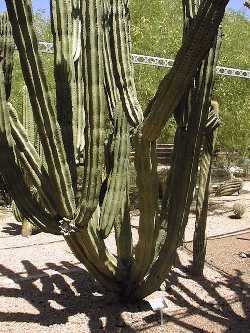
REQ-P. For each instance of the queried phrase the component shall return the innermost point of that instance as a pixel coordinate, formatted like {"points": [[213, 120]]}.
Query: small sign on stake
{"points": [[158, 304]]}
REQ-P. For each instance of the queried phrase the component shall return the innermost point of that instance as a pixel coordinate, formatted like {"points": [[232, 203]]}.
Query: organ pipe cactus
{"points": [[94, 76]]}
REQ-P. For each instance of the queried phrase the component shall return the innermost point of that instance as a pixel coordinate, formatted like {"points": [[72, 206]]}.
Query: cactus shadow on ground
{"points": [[84, 295], [12, 229], [221, 312], [56, 300]]}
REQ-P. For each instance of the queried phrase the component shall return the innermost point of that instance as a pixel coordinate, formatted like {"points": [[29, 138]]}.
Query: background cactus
{"points": [[229, 187], [94, 80], [239, 209]]}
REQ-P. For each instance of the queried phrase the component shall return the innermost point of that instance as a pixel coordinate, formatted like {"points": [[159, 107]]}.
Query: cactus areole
{"points": [[94, 81]]}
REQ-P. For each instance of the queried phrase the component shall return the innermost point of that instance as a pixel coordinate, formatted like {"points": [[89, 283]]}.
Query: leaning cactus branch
{"points": [[194, 48]]}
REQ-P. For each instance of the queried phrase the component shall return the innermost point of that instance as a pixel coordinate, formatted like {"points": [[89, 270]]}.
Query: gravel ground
{"points": [[44, 289]]}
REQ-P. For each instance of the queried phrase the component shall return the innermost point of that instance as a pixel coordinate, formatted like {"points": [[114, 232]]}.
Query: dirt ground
{"points": [[44, 289]]}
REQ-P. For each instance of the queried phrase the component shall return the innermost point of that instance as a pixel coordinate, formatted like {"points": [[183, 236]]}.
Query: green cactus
{"points": [[94, 77], [7, 50], [200, 239], [229, 187], [31, 130]]}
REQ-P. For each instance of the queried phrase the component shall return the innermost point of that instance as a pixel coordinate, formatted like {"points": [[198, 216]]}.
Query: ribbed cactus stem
{"points": [[200, 238], [229, 187], [6, 51], [117, 179], [94, 107], [147, 183], [94, 75], [119, 73]]}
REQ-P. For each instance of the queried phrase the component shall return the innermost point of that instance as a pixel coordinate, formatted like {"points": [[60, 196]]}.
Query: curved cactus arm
{"points": [[120, 71], [195, 46], [24, 200], [75, 244], [20, 192], [91, 250], [7, 51], [147, 183], [21, 21], [117, 179], [31, 162], [94, 106]]}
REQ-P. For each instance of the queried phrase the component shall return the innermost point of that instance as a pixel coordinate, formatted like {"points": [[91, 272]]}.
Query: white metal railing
{"points": [[163, 62]]}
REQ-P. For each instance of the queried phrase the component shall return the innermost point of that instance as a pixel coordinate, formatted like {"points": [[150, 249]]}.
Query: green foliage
{"points": [[157, 30], [232, 93]]}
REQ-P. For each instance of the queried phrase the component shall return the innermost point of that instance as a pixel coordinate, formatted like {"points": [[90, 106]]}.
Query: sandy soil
{"points": [[44, 289]]}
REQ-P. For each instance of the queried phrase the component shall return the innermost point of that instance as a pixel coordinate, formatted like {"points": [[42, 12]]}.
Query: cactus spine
{"points": [[94, 76]]}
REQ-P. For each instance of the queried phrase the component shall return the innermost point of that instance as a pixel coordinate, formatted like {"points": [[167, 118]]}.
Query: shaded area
{"points": [[56, 298], [220, 314], [83, 295], [12, 228]]}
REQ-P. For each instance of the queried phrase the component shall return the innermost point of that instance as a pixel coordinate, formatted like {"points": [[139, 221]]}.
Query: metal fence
{"points": [[163, 62]]}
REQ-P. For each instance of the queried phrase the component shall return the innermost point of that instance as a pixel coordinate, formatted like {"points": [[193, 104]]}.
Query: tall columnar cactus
{"points": [[6, 49], [94, 76], [200, 239]]}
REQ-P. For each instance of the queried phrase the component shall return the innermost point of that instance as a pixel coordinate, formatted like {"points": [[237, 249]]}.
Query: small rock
{"points": [[243, 255]]}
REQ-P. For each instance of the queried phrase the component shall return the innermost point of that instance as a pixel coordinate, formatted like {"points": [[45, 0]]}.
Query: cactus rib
{"points": [[200, 240]]}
